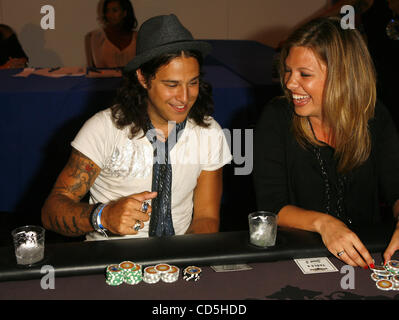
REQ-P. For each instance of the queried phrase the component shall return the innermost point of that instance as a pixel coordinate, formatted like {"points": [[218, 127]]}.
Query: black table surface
{"points": [[272, 274], [92, 257]]}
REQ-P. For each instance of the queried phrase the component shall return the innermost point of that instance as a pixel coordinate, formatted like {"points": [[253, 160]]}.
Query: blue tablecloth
{"points": [[40, 117]]}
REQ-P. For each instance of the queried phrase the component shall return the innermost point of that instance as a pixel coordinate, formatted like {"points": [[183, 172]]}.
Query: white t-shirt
{"points": [[126, 164], [106, 55]]}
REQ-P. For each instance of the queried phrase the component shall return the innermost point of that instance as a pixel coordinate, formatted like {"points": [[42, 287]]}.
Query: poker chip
{"points": [[192, 273], [114, 275], [380, 270], [131, 272], [392, 266], [172, 275], [162, 268], [386, 277], [384, 285], [377, 277], [151, 275]]}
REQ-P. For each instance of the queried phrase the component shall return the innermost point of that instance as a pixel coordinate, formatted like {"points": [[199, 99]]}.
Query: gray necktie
{"points": [[161, 223]]}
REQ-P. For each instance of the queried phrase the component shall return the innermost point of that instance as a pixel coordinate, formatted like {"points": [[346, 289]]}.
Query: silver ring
{"points": [[340, 253], [137, 226], [144, 206]]}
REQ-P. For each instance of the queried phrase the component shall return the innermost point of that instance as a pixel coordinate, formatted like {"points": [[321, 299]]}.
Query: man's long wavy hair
{"points": [[130, 107], [350, 89]]}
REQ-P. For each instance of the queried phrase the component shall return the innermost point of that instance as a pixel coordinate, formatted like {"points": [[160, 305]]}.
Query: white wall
{"points": [[267, 21]]}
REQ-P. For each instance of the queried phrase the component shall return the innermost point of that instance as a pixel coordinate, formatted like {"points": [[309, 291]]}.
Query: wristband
{"points": [[100, 208], [93, 216], [95, 220]]}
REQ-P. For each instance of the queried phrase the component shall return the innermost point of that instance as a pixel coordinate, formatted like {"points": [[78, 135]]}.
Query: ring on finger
{"points": [[340, 253], [144, 206], [137, 225]]}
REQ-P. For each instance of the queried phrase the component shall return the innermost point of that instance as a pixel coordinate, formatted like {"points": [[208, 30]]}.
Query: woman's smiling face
{"points": [[305, 78]]}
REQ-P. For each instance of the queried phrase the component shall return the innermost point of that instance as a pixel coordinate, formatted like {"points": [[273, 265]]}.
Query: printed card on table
{"points": [[315, 265]]}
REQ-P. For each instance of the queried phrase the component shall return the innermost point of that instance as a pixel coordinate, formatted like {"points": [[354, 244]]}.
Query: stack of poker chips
{"points": [[131, 272], [164, 272], [125, 272], [386, 277], [151, 275], [192, 273], [114, 275], [168, 273], [393, 267]]}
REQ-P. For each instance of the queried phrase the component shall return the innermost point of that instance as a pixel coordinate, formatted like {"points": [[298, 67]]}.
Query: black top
{"points": [[385, 53], [286, 173], [10, 47]]}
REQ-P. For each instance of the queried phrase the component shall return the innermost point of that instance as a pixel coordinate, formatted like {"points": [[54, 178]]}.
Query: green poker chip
{"points": [[131, 272], [114, 275]]}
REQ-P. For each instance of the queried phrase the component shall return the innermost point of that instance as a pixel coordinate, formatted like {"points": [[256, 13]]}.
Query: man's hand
{"points": [[120, 216]]}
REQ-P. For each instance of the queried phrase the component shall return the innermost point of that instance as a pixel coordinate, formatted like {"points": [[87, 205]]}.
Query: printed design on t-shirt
{"points": [[130, 160]]}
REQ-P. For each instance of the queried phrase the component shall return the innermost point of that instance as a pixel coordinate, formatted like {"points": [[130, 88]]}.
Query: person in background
{"points": [[114, 45], [12, 54], [327, 151], [158, 137]]}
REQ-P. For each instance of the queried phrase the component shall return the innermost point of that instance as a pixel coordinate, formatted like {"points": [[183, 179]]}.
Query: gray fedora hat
{"points": [[163, 34]]}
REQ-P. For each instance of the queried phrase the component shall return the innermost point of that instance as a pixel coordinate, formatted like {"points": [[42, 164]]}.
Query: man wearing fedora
{"points": [[153, 161]]}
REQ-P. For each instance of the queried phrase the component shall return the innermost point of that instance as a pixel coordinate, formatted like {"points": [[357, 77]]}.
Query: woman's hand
{"points": [[344, 243], [393, 245]]}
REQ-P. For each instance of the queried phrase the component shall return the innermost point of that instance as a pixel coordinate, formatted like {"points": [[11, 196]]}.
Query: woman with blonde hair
{"points": [[327, 150]]}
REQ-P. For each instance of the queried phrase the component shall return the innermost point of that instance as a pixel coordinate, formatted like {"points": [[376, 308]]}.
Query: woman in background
{"points": [[114, 45]]}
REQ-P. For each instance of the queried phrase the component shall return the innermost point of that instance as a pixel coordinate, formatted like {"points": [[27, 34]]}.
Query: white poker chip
{"points": [[151, 275], [385, 285], [377, 277], [380, 270], [172, 275], [393, 264], [162, 268], [150, 280]]}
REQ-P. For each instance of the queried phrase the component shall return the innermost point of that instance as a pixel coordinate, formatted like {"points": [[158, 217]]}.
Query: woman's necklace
{"points": [[340, 211]]}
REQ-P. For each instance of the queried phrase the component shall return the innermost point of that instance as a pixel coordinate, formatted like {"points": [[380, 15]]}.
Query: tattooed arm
{"points": [[63, 212]]}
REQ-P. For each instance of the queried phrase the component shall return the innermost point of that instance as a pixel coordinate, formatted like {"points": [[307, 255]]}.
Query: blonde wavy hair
{"points": [[350, 88]]}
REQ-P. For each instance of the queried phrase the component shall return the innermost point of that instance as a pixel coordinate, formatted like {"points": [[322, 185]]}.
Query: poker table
{"points": [[79, 269]]}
